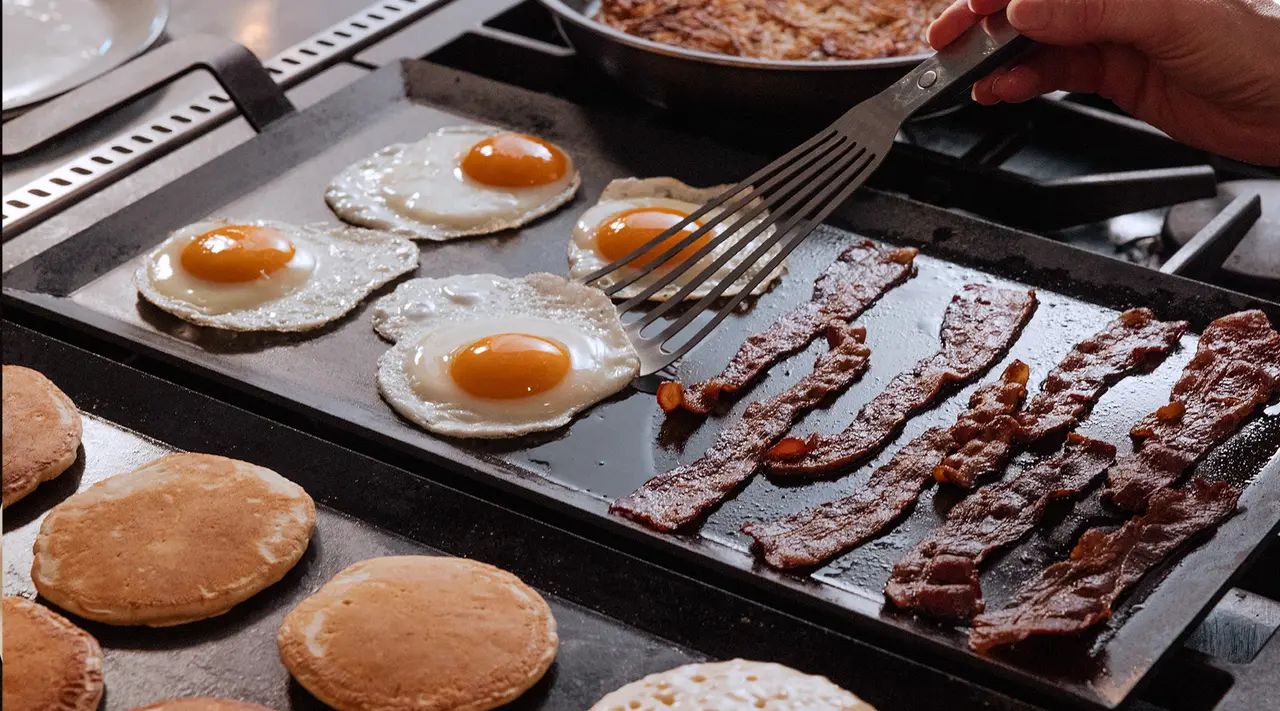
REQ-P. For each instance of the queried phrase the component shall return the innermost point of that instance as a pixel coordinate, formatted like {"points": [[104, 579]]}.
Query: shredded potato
{"points": [[780, 29]]}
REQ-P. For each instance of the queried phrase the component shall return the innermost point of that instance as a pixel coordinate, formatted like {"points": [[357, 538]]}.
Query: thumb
{"points": [[1073, 22]]}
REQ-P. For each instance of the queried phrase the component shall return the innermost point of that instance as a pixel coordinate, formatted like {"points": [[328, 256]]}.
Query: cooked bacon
{"points": [[858, 277], [1236, 369], [679, 497], [1134, 341], [812, 536], [982, 438], [939, 577], [1075, 594], [979, 325]]}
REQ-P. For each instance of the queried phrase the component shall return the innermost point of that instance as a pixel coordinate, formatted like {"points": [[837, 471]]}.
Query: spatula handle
{"points": [[954, 68]]}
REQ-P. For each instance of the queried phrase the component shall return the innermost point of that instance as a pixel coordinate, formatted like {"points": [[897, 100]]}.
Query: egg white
{"points": [[432, 318], [334, 267], [630, 193], [419, 190]]}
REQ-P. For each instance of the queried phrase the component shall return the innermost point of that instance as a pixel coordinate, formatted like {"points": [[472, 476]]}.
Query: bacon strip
{"points": [[858, 277], [812, 536], [980, 324], [1075, 594], [939, 577], [679, 497], [1133, 341], [1236, 369]]}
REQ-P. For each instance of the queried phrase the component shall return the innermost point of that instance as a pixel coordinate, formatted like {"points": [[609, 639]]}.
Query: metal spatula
{"points": [[797, 191]]}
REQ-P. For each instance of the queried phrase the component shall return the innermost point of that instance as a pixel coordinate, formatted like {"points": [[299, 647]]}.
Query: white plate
{"points": [[52, 46]]}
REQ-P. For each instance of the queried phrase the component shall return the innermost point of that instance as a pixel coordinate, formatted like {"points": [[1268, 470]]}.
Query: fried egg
{"points": [[632, 211], [269, 276], [487, 356], [459, 181]]}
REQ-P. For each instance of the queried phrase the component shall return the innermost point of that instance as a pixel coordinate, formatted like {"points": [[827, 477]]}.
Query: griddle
{"points": [[599, 596], [326, 379]]}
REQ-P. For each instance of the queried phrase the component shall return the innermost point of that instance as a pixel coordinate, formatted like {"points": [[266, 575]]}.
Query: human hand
{"points": [[1206, 72]]}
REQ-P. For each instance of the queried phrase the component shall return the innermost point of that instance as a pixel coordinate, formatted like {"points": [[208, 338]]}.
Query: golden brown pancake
{"points": [[41, 431], [183, 538], [49, 663], [202, 703], [736, 685], [420, 632]]}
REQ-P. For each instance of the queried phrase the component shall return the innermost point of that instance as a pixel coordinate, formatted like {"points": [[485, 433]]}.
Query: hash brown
{"points": [[791, 30]]}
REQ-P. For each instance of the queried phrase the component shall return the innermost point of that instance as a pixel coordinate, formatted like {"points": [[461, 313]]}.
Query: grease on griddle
{"points": [[810, 537], [939, 577], [853, 282], [679, 497], [1073, 595], [1235, 370], [1134, 341], [978, 327]]}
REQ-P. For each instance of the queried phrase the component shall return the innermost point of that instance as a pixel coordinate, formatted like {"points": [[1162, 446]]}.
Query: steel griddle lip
{"points": [[304, 134]]}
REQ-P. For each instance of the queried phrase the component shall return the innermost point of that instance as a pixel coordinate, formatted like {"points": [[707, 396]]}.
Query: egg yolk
{"points": [[514, 160], [237, 253], [509, 365], [630, 230]]}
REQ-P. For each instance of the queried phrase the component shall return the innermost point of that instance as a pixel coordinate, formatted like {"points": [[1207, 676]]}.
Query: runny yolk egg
{"points": [[237, 253], [514, 160], [509, 365], [269, 276], [456, 181], [629, 230], [633, 211], [479, 355]]}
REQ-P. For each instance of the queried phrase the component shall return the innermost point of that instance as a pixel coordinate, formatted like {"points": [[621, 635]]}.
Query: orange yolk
{"points": [[509, 365], [630, 230], [237, 253], [514, 160]]}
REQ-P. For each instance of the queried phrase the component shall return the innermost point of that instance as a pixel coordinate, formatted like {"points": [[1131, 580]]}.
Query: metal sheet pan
{"points": [[571, 475]]}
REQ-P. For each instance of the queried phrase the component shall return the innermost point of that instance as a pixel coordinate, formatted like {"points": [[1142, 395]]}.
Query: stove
{"points": [[1070, 168]]}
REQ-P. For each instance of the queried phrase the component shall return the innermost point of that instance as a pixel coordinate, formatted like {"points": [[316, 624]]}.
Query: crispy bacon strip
{"points": [[1134, 341], [812, 536], [939, 577], [1075, 594], [1236, 369], [980, 324], [679, 497], [858, 277]]}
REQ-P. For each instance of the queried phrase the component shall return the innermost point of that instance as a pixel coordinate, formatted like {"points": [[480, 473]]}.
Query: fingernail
{"points": [[1002, 84], [1030, 15]]}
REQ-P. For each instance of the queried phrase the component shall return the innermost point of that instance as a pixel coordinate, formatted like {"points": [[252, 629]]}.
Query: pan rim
{"points": [[563, 12]]}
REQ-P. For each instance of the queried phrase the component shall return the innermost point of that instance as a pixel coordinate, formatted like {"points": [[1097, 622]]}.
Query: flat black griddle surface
{"points": [[234, 655], [619, 444], [600, 597]]}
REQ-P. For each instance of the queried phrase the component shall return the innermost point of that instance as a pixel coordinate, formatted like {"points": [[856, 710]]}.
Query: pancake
{"points": [[420, 632], [736, 685], [41, 431], [134, 549], [49, 663], [202, 703]]}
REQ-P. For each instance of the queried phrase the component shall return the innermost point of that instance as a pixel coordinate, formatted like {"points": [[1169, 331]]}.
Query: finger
{"points": [[1075, 69], [951, 24], [1144, 23], [984, 89], [987, 7]]}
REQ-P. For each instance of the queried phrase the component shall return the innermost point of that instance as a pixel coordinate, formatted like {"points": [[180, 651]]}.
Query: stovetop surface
{"points": [[1234, 632]]}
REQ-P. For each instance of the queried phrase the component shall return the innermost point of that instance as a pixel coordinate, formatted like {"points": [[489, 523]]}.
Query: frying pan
{"points": [[690, 80]]}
